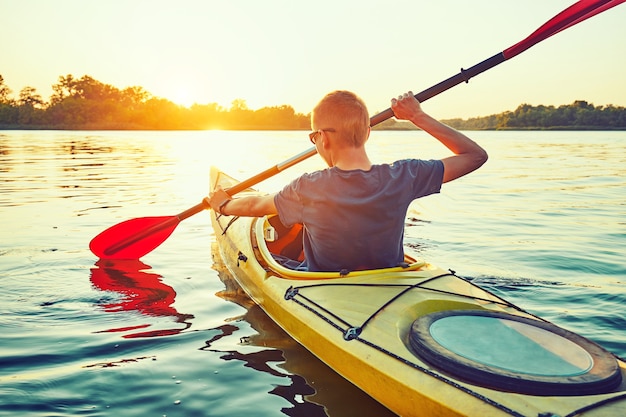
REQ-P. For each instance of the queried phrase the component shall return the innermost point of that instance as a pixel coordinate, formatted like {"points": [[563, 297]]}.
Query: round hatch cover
{"points": [[513, 353]]}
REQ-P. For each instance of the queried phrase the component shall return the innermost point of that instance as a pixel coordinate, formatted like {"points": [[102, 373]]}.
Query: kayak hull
{"points": [[361, 324]]}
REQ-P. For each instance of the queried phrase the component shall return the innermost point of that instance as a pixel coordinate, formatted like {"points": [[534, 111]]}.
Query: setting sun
{"points": [[182, 96], [218, 52]]}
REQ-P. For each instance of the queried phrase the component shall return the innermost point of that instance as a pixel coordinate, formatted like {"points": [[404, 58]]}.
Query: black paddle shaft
{"points": [[464, 75]]}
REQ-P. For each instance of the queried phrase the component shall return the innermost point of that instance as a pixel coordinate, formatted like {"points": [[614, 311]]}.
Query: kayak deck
{"points": [[369, 327]]}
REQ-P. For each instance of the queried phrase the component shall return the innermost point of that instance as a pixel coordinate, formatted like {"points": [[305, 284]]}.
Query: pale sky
{"points": [[274, 52]]}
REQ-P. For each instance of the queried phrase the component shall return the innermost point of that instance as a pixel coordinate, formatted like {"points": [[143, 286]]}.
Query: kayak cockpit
{"points": [[281, 251], [513, 353]]}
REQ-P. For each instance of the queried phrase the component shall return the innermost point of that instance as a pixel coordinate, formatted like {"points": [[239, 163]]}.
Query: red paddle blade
{"points": [[576, 13], [133, 238]]}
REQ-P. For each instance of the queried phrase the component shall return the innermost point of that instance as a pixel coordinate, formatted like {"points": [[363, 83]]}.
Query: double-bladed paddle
{"points": [[134, 238]]}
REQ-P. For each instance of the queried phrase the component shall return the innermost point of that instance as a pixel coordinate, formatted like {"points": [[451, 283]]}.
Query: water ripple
{"points": [[541, 224]]}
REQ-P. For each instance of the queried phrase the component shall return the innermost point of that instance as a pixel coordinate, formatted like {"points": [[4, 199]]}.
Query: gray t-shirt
{"points": [[354, 220]]}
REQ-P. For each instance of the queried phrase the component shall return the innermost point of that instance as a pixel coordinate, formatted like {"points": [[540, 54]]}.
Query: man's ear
{"points": [[325, 140]]}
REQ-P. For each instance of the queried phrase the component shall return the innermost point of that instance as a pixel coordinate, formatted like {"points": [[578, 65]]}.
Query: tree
{"points": [[578, 115], [30, 98], [8, 109], [88, 102], [29, 107], [63, 89], [5, 92], [239, 104]]}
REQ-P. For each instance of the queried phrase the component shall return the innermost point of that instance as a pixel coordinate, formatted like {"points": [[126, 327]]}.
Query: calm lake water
{"points": [[542, 224]]}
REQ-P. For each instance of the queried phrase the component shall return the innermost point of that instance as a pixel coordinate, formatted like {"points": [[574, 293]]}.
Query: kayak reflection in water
{"points": [[140, 291], [310, 386], [343, 206]]}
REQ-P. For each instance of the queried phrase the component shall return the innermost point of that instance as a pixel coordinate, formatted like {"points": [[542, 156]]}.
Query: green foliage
{"points": [[85, 103], [5, 92], [579, 115]]}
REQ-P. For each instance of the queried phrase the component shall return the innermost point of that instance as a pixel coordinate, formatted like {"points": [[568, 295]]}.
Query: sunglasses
{"points": [[313, 135]]}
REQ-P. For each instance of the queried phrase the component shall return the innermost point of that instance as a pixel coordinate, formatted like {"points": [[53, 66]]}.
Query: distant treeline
{"points": [[85, 103], [579, 115]]}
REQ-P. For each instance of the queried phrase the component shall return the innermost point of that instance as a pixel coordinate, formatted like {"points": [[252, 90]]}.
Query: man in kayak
{"points": [[353, 212]]}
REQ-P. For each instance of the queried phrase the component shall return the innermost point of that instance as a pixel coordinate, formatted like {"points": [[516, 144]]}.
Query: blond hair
{"points": [[345, 112]]}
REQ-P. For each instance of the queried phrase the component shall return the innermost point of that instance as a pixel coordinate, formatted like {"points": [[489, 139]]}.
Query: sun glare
{"points": [[182, 97]]}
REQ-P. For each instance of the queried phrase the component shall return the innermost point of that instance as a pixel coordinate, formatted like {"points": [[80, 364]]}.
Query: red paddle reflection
{"points": [[140, 291]]}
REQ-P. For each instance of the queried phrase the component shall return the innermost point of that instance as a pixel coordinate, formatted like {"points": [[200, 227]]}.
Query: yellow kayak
{"points": [[420, 340]]}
